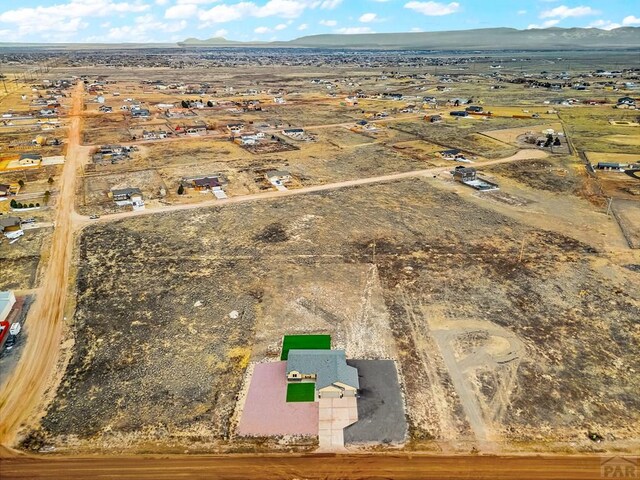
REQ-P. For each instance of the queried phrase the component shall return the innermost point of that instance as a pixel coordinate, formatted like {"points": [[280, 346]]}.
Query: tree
{"points": [[37, 205], [50, 181], [185, 104], [13, 203], [209, 104], [21, 183], [549, 141], [180, 190], [31, 205], [556, 142]]}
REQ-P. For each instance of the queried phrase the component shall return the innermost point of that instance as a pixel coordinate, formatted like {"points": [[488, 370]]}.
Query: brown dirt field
{"points": [[431, 272], [510, 135]]}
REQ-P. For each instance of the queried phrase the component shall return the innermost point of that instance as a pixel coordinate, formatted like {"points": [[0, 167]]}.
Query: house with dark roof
{"points": [[206, 182], [328, 369]]}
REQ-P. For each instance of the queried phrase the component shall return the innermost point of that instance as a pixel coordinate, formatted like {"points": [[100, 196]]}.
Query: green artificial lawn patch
{"points": [[301, 392], [304, 342]]}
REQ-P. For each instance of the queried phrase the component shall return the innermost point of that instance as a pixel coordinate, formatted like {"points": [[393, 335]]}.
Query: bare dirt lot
{"points": [[20, 260], [491, 348], [556, 174]]}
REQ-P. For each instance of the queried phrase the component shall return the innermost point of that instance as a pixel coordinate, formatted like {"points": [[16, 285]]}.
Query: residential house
{"points": [[195, 129], [107, 150], [459, 101], [465, 174], [7, 301], [235, 128], [206, 183], [30, 159], [140, 112], [618, 167], [468, 176], [278, 176], [328, 369], [450, 154], [128, 196], [11, 227], [154, 134], [251, 138], [297, 133]]}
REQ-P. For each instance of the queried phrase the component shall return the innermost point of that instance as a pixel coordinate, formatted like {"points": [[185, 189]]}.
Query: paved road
{"points": [[329, 466], [24, 388], [521, 155]]}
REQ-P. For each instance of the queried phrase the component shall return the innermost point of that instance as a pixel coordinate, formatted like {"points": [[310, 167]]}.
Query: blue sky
{"points": [[174, 20]]}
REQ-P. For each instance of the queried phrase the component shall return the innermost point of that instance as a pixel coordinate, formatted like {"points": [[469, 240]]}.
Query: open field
{"points": [[590, 130], [487, 322], [414, 283]]}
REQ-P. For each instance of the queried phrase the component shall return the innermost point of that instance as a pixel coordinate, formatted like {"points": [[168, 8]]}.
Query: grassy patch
{"points": [[301, 392], [304, 342]]}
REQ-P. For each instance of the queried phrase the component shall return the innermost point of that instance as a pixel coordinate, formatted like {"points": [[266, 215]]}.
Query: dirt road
{"points": [[22, 391], [521, 155], [242, 467]]}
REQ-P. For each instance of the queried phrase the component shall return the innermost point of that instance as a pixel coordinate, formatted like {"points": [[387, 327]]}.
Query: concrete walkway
{"points": [[335, 415]]}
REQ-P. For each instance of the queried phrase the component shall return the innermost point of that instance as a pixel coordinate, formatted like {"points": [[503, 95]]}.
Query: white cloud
{"points": [[303, 26], [368, 17], [280, 26], [604, 25], [280, 8], [226, 13], [181, 11], [546, 24], [161, 2], [354, 30], [566, 12], [328, 23], [194, 2], [289, 9], [631, 20], [220, 33], [262, 30], [327, 4], [522, 12], [64, 18], [433, 9], [145, 29]]}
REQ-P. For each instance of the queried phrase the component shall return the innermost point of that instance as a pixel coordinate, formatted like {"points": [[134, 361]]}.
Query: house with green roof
{"points": [[327, 369]]}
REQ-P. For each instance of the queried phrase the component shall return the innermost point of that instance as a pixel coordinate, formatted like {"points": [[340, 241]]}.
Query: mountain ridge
{"points": [[475, 39]]}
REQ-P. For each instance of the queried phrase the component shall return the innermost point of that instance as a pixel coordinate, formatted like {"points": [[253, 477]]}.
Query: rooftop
{"points": [[330, 366]]}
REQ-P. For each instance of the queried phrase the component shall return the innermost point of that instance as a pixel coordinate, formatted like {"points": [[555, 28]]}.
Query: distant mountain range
{"points": [[486, 39], [480, 39]]}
